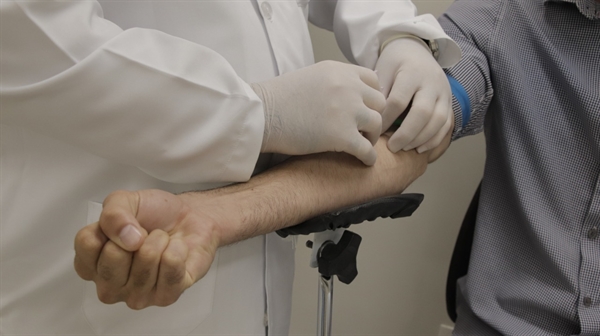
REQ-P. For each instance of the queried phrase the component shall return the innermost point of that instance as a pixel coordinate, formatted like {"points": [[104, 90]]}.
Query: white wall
{"points": [[402, 263]]}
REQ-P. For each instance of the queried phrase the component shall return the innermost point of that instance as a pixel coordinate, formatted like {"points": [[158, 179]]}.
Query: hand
{"points": [[323, 107], [147, 248], [409, 73]]}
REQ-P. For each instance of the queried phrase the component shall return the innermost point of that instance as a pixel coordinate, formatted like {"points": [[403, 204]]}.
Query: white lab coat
{"points": [[98, 96]]}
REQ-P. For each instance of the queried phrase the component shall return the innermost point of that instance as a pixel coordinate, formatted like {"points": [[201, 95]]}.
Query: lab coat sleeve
{"points": [[361, 27], [472, 25], [170, 107]]}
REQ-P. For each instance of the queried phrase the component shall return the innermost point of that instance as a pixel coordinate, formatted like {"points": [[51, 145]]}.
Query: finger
{"points": [[89, 242], [362, 149], [387, 74], [373, 99], [401, 94], [144, 269], [118, 220], [439, 137], [368, 77], [112, 272], [438, 119], [172, 276], [369, 123], [417, 117]]}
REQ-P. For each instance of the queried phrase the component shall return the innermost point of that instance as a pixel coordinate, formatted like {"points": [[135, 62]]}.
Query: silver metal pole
{"points": [[325, 310]]}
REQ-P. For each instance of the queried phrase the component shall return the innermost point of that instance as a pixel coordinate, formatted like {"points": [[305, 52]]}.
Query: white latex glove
{"points": [[323, 107], [408, 72]]}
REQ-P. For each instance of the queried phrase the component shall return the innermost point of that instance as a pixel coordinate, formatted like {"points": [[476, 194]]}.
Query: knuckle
{"points": [[110, 216], [115, 195], [167, 299], [327, 63], [111, 255], [141, 278], [440, 119], [333, 106], [85, 240], [136, 303], [174, 276], [338, 88], [397, 102], [105, 272], [174, 270], [172, 259], [380, 103], [328, 68], [147, 254], [82, 270], [420, 110], [106, 296], [368, 74], [363, 119], [112, 251], [447, 127], [377, 120]]}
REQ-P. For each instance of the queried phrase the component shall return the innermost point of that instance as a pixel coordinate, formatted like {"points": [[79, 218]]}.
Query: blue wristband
{"points": [[462, 97]]}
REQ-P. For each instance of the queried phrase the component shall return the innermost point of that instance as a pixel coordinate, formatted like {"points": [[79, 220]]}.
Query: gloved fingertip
{"points": [[393, 147], [130, 237], [422, 149], [371, 158]]}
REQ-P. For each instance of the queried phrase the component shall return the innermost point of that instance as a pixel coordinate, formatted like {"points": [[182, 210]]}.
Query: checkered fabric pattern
{"points": [[531, 69]]}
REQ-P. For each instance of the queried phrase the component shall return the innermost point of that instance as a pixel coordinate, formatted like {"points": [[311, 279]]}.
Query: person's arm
{"points": [[180, 233], [472, 24]]}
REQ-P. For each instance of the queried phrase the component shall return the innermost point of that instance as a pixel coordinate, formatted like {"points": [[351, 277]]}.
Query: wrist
{"points": [[209, 216], [403, 39], [262, 94]]}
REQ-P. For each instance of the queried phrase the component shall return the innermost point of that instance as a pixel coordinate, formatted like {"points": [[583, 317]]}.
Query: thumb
{"points": [[118, 220], [362, 149]]}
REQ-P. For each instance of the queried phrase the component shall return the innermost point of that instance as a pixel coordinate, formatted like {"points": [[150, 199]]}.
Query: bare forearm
{"points": [[305, 187], [191, 226]]}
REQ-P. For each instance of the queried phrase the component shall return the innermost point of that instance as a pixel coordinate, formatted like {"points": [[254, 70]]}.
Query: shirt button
{"points": [[593, 233], [266, 10], [587, 301]]}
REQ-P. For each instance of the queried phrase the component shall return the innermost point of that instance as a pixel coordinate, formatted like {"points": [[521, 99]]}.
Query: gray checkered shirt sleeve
{"points": [[473, 72]]}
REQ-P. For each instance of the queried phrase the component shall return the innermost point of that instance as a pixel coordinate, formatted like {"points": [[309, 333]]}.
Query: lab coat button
{"points": [[587, 301], [593, 233], [266, 10]]}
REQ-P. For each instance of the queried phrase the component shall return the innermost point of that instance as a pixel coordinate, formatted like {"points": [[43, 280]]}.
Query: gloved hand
{"points": [[323, 107], [408, 72]]}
